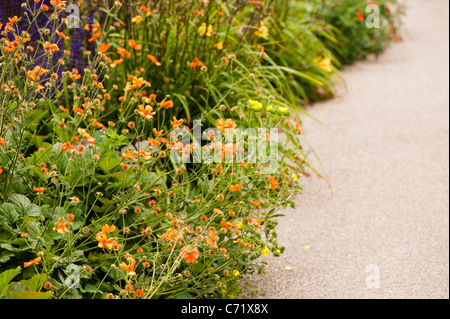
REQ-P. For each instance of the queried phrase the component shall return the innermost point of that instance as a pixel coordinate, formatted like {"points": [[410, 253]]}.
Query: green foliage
{"points": [[93, 203]]}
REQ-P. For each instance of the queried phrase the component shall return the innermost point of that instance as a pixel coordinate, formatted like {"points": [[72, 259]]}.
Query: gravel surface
{"points": [[384, 232]]}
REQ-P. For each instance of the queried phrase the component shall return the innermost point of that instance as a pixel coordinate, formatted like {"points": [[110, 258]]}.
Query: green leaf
{"points": [[18, 290], [8, 213], [35, 282], [6, 277], [34, 230], [109, 162], [5, 256], [24, 206]]}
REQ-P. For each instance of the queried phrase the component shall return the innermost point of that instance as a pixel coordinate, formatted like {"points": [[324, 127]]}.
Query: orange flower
{"points": [[154, 60], [171, 235], [104, 47], [130, 156], [134, 45], [50, 47], [273, 182], [58, 4], [129, 267], [124, 53], [235, 188], [190, 254], [108, 229], [1, 169], [62, 35], [32, 262], [176, 123], [211, 240], [61, 228], [196, 63], [14, 19], [360, 16], [139, 293], [67, 146], [2, 141], [38, 189], [146, 112], [166, 104], [223, 124], [95, 36], [158, 133], [105, 242]]}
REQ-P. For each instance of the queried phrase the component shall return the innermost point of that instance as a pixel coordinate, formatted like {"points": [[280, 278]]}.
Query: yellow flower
{"points": [[265, 251], [240, 224], [325, 64], [270, 108], [294, 177], [263, 31], [206, 30], [283, 110], [236, 273], [219, 45], [256, 105], [137, 19]]}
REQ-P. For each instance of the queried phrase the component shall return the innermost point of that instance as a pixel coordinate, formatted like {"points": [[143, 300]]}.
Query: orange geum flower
{"points": [[224, 124], [61, 228], [129, 267], [104, 47], [124, 53], [105, 242], [62, 35], [190, 254], [158, 133], [137, 19], [235, 188], [139, 293], [166, 104], [154, 60], [146, 112], [58, 4], [14, 19], [176, 123], [170, 235], [134, 45], [38, 189], [32, 262], [130, 156], [67, 146], [196, 63], [50, 47], [146, 10], [2, 141], [95, 36], [108, 229]]}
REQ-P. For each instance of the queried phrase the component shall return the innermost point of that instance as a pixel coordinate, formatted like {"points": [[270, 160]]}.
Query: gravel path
{"points": [[384, 233]]}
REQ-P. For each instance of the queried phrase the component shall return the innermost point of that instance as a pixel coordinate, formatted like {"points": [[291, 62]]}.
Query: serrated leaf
{"points": [[32, 295], [5, 256], [109, 162], [8, 213], [35, 282], [24, 206], [6, 277]]}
